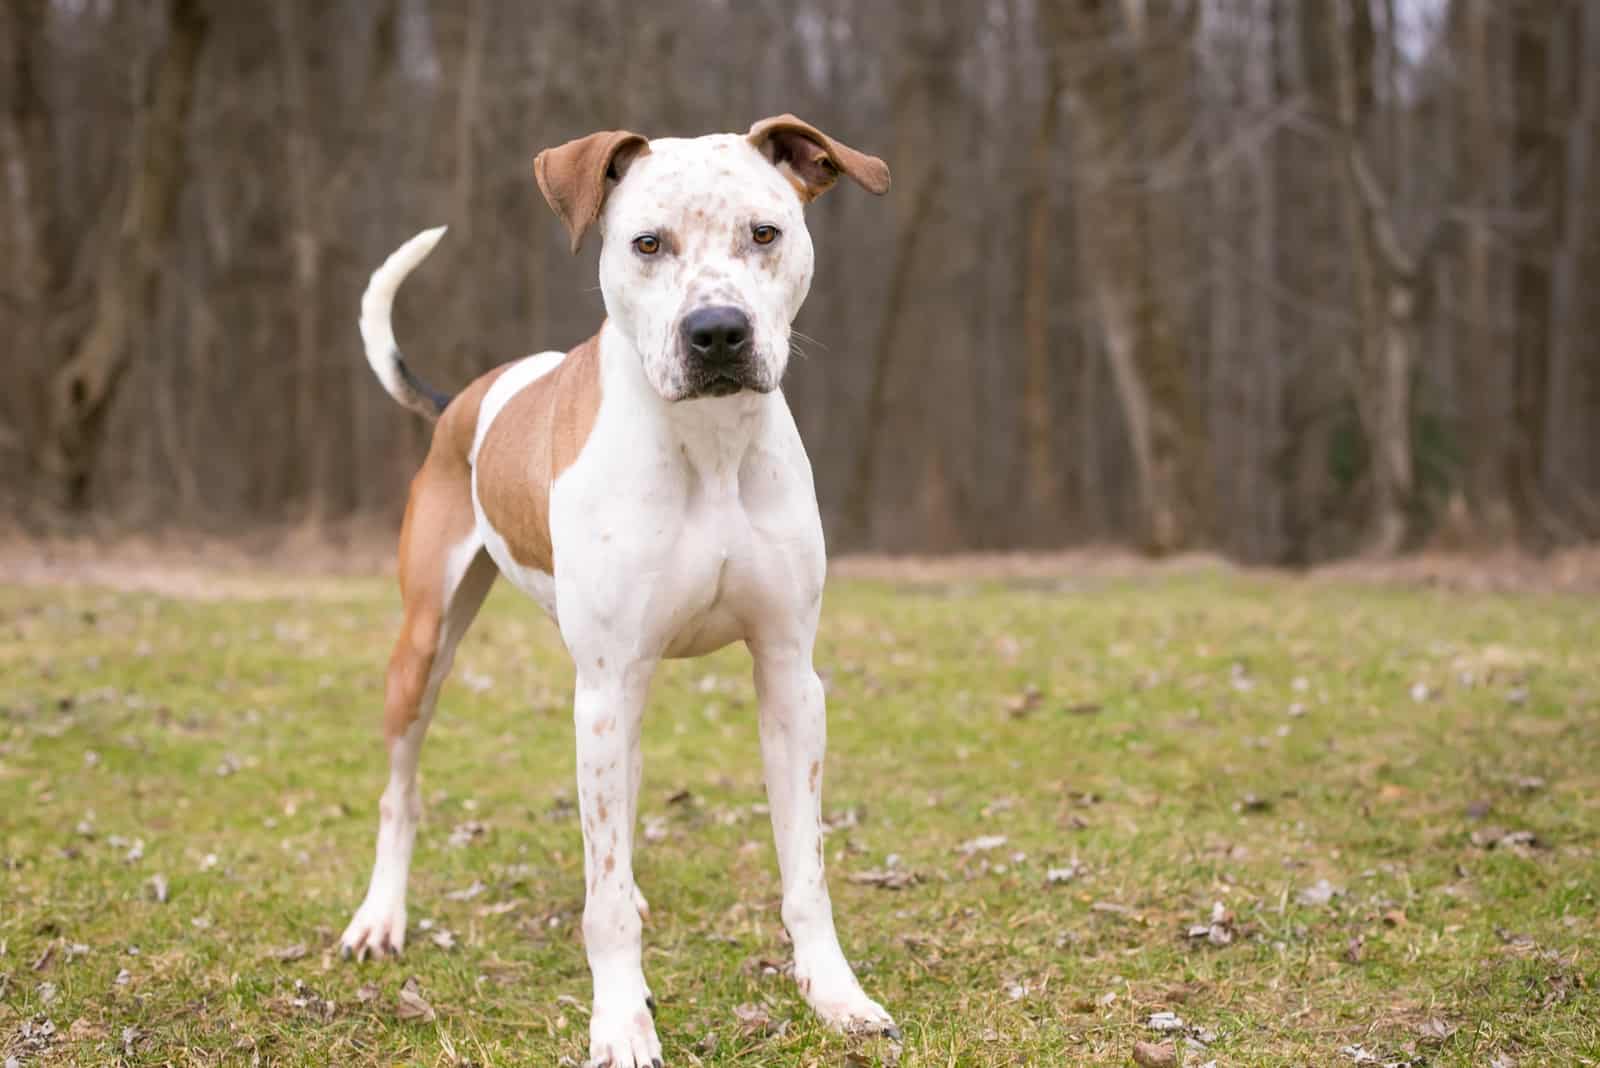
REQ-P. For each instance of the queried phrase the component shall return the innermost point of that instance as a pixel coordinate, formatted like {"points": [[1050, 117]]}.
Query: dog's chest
{"points": [[678, 542]]}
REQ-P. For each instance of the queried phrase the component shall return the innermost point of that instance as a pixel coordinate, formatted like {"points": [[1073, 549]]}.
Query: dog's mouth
{"points": [[726, 380]]}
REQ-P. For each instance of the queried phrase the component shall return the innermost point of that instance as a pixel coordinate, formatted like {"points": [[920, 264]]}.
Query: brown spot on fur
{"points": [[537, 436], [611, 863], [601, 802], [816, 769], [601, 726]]}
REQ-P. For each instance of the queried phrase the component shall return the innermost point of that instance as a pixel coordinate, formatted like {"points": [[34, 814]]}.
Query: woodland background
{"points": [[1290, 281]]}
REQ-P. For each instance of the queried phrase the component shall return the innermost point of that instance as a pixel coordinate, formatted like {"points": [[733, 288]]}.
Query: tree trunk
{"points": [[1385, 280], [858, 509], [31, 270], [1039, 418], [1566, 462], [1121, 241], [1534, 148], [1482, 158], [129, 278]]}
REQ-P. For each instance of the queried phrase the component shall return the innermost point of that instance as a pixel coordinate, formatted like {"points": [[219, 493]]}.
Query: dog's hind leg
{"points": [[444, 576]]}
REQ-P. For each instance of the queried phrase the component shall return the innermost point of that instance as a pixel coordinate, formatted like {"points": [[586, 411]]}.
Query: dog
{"points": [[650, 490]]}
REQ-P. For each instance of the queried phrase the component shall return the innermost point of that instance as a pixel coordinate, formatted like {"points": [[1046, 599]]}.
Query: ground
{"points": [[1316, 821]]}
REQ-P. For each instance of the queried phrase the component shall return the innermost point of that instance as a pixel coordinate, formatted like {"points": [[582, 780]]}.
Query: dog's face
{"points": [[705, 258]]}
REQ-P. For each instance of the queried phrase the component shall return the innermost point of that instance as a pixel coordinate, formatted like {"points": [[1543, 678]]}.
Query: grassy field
{"points": [[1318, 824]]}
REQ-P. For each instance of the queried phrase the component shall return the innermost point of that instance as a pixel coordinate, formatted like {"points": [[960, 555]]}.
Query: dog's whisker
{"points": [[808, 338]]}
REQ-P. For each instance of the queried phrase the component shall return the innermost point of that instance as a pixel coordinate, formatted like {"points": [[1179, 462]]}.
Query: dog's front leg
{"points": [[793, 738], [607, 712]]}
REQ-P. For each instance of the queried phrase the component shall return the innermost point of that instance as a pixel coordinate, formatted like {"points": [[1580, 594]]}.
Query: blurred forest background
{"points": [[1287, 280]]}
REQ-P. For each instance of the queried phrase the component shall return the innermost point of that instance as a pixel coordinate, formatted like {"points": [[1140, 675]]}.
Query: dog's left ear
{"points": [[812, 160], [577, 176]]}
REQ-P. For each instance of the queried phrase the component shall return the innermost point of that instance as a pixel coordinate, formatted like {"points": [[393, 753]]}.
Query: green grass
{"points": [[1138, 732]]}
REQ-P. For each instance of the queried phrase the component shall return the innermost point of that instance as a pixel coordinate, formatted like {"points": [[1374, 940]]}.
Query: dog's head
{"points": [[705, 258]]}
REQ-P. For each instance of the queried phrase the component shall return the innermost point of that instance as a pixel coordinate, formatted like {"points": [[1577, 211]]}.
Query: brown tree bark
{"points": [[1482, 159], [128, 281], [1134, 80], [858, 509], [1385, 279], [1043, 481], [1534, 147], [1566, 461], [31, 270]]}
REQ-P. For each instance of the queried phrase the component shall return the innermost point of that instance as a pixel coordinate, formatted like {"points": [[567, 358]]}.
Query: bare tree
{"points": [[129, 276]]}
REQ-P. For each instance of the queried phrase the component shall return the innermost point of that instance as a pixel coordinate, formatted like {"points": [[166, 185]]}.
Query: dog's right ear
{"points": [[576, 177]]}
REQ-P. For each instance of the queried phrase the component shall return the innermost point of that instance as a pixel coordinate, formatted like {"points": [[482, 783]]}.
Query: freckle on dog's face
{"points": [[705, 225]]}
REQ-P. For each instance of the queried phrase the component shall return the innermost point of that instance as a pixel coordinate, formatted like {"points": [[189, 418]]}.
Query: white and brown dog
{"points": [[650, 490]]}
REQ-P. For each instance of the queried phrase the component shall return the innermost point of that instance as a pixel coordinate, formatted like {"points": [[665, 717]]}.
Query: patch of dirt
{"points": [[196, 566], [291, 560]]}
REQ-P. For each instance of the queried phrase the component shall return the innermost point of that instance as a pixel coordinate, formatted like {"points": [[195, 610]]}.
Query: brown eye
{"points": [[647, 244], [764, 234]]}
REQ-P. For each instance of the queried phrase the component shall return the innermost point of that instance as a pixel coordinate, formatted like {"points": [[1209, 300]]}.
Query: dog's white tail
{"points": [[377, 332]]}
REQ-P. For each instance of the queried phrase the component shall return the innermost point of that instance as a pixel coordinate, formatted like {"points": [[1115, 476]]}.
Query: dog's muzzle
{"points": [[719, 352]]}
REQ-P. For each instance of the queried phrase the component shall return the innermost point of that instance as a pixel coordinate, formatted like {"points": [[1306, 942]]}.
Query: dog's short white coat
{"points": [[682, 526]]}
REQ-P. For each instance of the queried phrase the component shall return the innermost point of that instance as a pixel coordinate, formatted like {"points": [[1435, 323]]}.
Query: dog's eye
{"points": [[764, 234], [647, 244]]}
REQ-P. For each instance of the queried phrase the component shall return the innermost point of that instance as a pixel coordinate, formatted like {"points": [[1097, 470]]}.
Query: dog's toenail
{"points": [[650, 1003], [892, 1033]]}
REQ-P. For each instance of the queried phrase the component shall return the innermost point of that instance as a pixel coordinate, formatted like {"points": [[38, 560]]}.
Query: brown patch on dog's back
{"points": [[537, 436]]}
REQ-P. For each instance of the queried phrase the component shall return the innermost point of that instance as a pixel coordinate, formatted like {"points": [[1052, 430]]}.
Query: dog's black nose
{"points": [[717, 335]]}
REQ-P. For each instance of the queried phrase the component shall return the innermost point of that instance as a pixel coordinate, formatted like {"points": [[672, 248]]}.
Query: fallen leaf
{"points": [[288, 953], [499, 908], [1252, 803], [1021, 704], [156, 886], [1155, 1054], [443, 938], [410, 1004], [887, 878], [756, 1020], [1164, 1022], [1065, 874], [981, 844], [1319, 893], [466, 893], [1436, 1030]]}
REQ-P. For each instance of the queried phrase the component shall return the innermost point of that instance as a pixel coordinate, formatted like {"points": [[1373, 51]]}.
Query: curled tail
{"points": [[377, 332]]}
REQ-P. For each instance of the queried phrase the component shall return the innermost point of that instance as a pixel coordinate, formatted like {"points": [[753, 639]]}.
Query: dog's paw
{"points": [[378, 930], [834, 995], [623, 1036]]}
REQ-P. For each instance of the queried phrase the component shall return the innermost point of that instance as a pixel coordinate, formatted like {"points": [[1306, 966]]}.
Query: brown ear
{"points": [[574, 176], [813, 160]]}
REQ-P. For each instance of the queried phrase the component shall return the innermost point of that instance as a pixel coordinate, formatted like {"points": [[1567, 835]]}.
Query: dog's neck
{"points": [[714, 434]]}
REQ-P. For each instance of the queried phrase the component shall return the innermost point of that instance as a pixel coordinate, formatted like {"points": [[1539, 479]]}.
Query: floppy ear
{"points": [[812, 160], [576, 177]]}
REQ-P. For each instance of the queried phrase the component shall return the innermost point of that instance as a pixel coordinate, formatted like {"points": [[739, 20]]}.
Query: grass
{"points": [[1173, 749]]}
